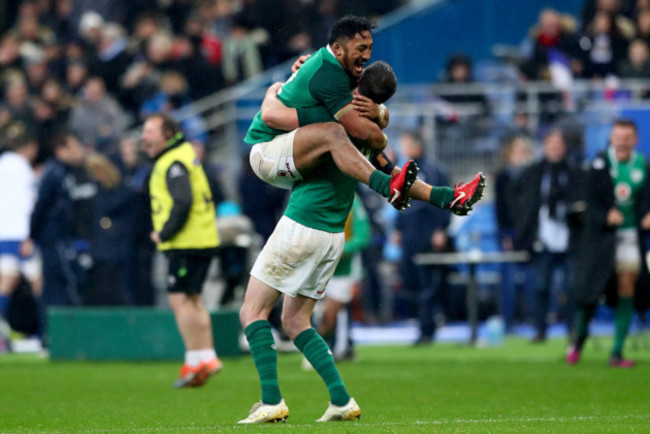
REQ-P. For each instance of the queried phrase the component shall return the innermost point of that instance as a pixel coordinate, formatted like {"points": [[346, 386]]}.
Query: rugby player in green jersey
{"points": [[325, 80], [376, 85], [281, 157]]}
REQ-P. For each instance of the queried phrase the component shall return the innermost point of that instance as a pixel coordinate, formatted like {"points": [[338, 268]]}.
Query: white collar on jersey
{"points": [[330, 50]]}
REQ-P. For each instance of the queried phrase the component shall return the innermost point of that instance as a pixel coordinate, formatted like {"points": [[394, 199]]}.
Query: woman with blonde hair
{"points": [[112, 234]]}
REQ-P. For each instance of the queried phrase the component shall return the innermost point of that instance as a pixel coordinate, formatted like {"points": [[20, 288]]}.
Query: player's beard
{"points": [[350, 66]]}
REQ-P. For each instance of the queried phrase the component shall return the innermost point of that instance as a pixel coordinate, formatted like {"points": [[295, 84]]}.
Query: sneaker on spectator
{"points": [[400, 185], [467, 194]]}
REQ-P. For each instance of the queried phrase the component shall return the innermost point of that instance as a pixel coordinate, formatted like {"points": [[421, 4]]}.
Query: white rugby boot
{"points": [[263, 413], [349, 411]]}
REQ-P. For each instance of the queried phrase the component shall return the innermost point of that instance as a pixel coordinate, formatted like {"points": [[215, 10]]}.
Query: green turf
{"points": [[442, 388]]}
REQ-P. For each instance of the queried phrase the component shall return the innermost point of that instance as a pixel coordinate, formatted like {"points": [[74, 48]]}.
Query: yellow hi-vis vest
{"points": [[200, 229]]}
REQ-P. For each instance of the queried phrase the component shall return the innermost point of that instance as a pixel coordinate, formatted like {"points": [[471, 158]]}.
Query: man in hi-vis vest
{"points": [[184, 228]]}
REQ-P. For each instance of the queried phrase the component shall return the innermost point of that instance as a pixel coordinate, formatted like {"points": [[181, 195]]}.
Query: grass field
{"points": [[442, 388]]}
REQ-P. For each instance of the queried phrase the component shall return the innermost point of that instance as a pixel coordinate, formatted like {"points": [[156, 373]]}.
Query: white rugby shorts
{"points": [[628, 255], [273, 162], [299, 260], [12, 265], [341, 288]]}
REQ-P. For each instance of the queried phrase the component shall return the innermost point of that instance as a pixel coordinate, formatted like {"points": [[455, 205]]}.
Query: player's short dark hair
{"points": [[169, 126], [378, 82], [348, 26], [627, 123]]}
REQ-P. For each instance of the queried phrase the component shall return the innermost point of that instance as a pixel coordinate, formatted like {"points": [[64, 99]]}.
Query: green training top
{"points": [[320, 81], [628, 177]]}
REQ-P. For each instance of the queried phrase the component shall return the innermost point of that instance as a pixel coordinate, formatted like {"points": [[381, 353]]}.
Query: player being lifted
{"points": [[301, 254], [324, 82]]}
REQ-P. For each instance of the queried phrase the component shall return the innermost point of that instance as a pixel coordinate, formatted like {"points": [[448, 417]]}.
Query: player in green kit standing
{"points": [[618, 214], [301, 255], [303, 251]]}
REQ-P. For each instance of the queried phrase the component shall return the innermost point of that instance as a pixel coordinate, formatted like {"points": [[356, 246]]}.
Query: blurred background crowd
{"points": [[77, 76]]}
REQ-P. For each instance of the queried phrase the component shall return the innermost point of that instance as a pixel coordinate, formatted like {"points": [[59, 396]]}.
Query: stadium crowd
{"points": [[76, 75]]}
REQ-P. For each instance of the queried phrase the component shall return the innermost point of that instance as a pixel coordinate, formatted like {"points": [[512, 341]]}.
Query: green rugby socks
{"points": [[441, 196], [316, 351], [622, 318], [380, 182], [583, 316], [265, 357]]}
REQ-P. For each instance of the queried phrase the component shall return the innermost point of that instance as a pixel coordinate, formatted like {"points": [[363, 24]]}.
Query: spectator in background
{"points": [[97, 120], [18, 255], [637, 64], [141, 79], [211, 172], [206, 43], [643, 25], [59, 20], [53, 220], [606, 47], [420, 229], [10, 54], [51, 111], [261, 202], [460, 71], [112, 56], [174, 95], [146, 25], [553, 32], [613, 8], [135, 173], [75, 77], [37, 71], [178, 12], [241, 57], [614, 250], [112, 234], [17, 100], [204, 75], [547, 195], [516, 154]]}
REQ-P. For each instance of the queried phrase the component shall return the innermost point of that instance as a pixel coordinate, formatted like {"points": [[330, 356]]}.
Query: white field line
{"points": [[615, 418]]}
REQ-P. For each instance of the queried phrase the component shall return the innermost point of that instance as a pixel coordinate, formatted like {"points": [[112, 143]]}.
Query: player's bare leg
{"points": [[313, 142], [195, 327]]}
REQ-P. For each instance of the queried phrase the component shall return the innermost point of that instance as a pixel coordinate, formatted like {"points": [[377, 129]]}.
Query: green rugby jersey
{"points": [[320, 81], [628, 177], [323, 199]]}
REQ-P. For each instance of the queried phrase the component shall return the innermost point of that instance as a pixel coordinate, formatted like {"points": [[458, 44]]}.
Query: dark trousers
{"points": [[60, 277], [424, 282], [517, 281], [544, 264]]}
